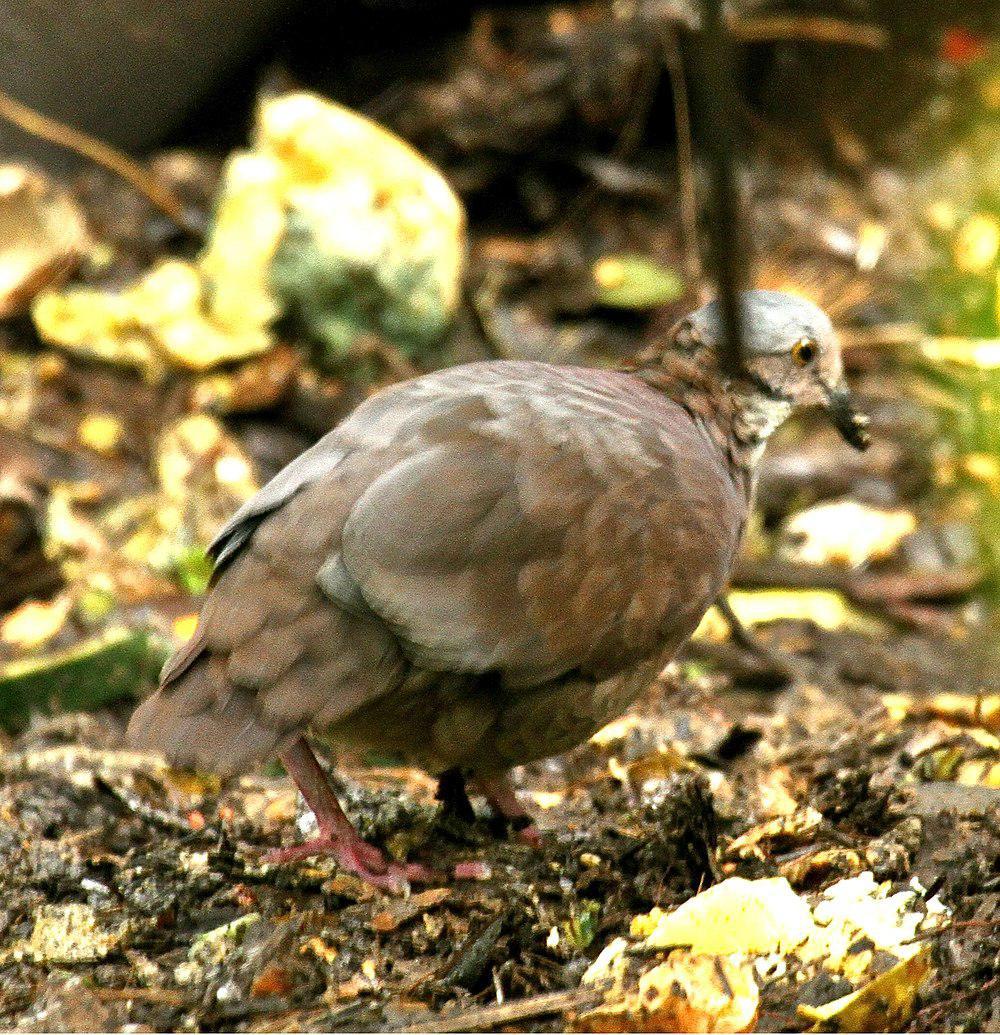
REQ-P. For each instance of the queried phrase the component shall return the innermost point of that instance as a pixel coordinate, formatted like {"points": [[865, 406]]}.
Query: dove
{"points": [[484, 565]]}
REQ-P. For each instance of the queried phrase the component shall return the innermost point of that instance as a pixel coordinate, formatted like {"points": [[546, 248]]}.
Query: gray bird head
{"points": [[791, 358]]}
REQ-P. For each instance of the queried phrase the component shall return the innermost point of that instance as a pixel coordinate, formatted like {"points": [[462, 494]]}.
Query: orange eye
{"points": [[804, 351]]}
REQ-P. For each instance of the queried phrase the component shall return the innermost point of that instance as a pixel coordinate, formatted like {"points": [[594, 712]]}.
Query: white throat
{"points": [[758, 419]]}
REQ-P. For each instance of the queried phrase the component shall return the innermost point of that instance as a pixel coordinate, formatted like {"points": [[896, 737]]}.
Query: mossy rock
{"points": [[120, 663]]}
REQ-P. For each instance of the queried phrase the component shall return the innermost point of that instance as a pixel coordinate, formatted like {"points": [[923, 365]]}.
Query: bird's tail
{"points": [[202, 719]]}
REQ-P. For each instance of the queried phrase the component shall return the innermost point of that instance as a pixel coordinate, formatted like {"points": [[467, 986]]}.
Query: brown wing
{"points": [[564, 529], [271, 654], [511, 517]]}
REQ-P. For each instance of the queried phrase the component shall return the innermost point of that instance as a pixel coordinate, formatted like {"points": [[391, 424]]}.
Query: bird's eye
{"points": [[804, 351]]}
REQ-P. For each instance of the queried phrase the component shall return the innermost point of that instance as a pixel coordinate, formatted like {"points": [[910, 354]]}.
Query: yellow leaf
{"points": [[319, 948], [183, 627], [688, 993], [43, 236], [618, 729], [977, 710], [981, 772], [846, 532], [983, 467], [884, 1004], [977, 244], [982, 353], [160, 317], [941, 215], [547, 799], [630, 281], [72, 933], [662, 763], [824, 607], [35, 622], [737, 915], [798, 828], [101, 432], [861, 907]]}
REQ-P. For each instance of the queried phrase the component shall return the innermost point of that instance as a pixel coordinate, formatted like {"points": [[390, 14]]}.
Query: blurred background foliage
{"points": [[355, 195], [223, 225]]}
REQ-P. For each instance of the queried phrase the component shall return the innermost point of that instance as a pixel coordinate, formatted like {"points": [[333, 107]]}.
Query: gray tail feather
{"points": [[197, 722], [184, 657]]}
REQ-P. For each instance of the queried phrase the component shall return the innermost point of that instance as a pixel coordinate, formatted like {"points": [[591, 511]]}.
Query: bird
{"points": [[482, 566]]}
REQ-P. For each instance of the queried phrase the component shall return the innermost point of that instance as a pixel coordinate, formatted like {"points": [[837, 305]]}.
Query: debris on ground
{"points": [[797, 828], [44, 236], [328, 219]]}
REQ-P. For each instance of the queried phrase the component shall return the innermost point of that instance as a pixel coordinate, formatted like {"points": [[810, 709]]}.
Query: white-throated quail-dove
{"points": [[484, 565]]}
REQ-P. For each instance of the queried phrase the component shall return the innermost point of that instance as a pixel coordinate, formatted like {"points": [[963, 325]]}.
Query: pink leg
{"points": [[337, 837], [501, 795]]}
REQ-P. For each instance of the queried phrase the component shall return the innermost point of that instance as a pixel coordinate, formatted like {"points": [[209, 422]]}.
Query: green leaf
{"points": [[582, 927], [193, 569], [119, 663], [629, 281]]}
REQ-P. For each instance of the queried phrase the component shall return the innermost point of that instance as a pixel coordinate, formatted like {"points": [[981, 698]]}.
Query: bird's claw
{"points": [[361, 859], [368, 863]]}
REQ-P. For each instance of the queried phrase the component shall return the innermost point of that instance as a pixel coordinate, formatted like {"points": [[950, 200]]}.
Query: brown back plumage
{"points": [[463, 549]]}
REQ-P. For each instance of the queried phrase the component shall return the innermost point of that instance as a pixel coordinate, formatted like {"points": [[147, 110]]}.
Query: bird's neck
{"points": [[757, 418], [739, 421]]}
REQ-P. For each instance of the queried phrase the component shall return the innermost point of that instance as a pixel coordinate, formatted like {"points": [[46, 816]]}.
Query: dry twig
{"points": [[55, 132], [685, 157], [862, 587], [494, 1017], [767, 28]]}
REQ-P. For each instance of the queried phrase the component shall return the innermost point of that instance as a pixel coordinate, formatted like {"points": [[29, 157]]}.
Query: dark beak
{"points": [[847, 418]]}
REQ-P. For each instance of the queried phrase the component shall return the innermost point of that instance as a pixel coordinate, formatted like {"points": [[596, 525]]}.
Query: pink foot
{"points": [[530, 836], [339, 840], [505, 803], [362, 859]]}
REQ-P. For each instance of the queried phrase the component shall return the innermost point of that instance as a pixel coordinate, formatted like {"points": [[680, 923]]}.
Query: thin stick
{"points": [[764, 28], [493, 1017], [685, 156], [718, 104], [45, 128], [862, 587]]}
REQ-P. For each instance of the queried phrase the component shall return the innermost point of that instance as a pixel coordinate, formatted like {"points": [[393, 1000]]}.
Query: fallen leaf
{"points": [[101, 432], [977, 244], [43, 235], [815, 868], [776, 835], [400, 911], [272, 981], [117, 664], [825, 608], [337, 221], [72, 932], [158, 321], [35, 622], [213, 946], [862, 908], [717, 941], [884, 1004], [737, 915], [257, 384], [845, 532], [319, 948], [630, 281], [688, 993], [982, 710]]}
